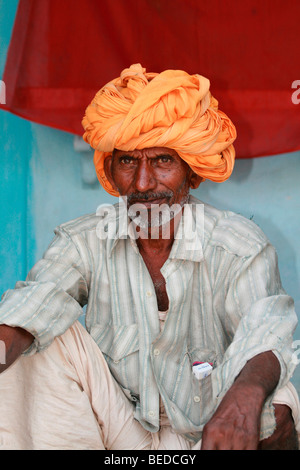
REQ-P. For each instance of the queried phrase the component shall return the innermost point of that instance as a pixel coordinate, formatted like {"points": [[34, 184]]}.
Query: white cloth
{"points": [[65, 398]]}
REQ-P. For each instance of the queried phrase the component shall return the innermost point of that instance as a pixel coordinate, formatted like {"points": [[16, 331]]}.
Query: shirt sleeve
{"points": [[52, 297], [262, 317]]}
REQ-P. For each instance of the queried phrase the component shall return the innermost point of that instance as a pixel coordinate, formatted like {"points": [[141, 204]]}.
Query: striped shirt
{"points": [[226, 305]]}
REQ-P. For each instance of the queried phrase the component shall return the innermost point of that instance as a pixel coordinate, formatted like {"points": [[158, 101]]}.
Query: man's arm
{"points": [[47, 303], [16, 341], [236, 423], [259, 314]]}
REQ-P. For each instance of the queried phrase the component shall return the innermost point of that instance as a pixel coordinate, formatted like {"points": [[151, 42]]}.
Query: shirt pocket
{"points": [[202, 390], [120, 347]]}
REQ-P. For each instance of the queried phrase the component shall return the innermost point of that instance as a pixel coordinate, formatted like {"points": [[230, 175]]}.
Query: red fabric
{"points": [[62, 52]]}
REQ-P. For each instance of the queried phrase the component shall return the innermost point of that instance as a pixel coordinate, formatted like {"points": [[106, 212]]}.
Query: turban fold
{"points": [[170, 109]]}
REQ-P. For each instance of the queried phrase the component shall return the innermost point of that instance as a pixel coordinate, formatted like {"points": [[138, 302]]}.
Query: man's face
{"points": [[152, 177]]}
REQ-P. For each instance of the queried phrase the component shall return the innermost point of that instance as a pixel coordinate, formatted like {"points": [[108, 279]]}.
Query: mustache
{"points": [[149, 195]]}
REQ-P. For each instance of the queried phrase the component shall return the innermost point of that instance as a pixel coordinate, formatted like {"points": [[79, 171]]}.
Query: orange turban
{"points": [[172, 109]]}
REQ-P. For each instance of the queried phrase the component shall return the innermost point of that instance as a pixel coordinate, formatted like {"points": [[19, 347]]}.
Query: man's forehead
{"points": [[148, 152]]}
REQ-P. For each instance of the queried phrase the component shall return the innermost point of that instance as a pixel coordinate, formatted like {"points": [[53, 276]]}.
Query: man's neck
{"points": [[155, 247], [158, 240]]}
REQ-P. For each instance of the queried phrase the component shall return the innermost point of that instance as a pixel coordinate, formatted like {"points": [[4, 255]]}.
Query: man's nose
{"points": [[144, 178]]}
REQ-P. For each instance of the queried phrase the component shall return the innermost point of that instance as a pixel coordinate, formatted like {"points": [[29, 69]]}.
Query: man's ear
{"points": [[107, 169], [195, 180]]}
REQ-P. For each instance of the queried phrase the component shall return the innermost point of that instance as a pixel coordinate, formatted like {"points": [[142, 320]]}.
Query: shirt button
{"points": [[148, 293], [156, 352], [196, 399], [151, 414]]}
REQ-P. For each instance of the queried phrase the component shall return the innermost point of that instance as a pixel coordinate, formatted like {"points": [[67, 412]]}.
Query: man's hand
{"points": [[236, 422], [16, 341]]}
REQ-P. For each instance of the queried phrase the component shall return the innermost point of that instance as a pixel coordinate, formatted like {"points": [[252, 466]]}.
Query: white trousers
{"points": [[65, 398]]}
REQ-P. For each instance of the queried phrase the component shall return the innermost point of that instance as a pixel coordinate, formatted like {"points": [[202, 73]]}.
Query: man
{"points": [[160, 308]]}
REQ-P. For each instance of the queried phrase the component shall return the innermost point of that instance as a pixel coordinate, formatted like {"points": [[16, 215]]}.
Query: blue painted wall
{"points": [[17, 235], [41, 186]]}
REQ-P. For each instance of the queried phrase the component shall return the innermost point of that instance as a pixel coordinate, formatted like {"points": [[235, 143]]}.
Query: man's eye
{"points": [[126, 160], [164, 159]]}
